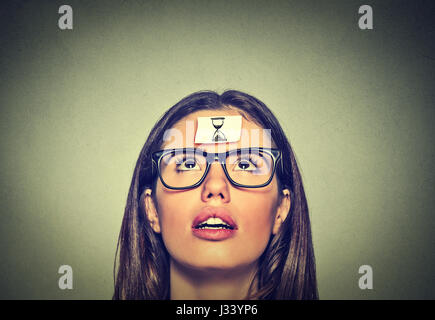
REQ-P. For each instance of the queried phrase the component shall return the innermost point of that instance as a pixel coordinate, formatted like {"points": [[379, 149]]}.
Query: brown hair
{"points": [[287, 266]]}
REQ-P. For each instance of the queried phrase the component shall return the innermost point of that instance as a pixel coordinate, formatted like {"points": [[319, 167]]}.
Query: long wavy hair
{"points": [[286, 269]]}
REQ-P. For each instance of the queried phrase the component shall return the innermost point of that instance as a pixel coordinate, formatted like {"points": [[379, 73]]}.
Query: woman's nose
{"points": [[215, 186]]}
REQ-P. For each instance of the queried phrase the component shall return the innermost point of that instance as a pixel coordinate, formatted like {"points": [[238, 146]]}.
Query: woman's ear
{"points": [[282, 211], [150, 211]]}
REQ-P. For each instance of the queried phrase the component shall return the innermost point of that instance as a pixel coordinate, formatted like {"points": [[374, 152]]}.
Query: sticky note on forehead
{"points": [[218, 129]]}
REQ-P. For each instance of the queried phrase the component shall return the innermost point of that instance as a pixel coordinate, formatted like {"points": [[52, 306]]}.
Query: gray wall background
{"points": [[357, 106]]}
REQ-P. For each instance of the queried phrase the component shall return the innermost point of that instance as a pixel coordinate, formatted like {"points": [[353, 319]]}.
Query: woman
{"points": [[225, 219]]}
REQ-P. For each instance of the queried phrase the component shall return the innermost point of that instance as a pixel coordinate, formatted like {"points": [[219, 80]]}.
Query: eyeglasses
{"points": [[186, 168]]}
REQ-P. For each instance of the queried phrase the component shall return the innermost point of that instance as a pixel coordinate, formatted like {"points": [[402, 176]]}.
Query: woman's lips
{"points": [[214, 234]]}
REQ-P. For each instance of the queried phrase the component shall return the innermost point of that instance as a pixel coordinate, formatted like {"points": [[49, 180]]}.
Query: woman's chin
{"points": [[215, 267]]}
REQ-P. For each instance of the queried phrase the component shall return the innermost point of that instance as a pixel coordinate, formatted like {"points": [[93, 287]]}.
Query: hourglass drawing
{"points": [[218, 135]]}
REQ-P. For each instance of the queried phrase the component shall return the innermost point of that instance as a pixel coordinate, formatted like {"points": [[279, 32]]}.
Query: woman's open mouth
{"points": [[214, 224]]}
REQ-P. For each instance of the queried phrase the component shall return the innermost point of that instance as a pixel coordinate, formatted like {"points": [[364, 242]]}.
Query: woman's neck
{"points": [[193, 284]]}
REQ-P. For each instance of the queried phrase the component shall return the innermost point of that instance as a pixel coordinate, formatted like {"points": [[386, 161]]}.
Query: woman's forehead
{"points": [[184, 132]]}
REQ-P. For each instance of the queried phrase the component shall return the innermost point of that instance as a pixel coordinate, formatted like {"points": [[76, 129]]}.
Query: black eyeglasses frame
{"points": [[158, 155]]}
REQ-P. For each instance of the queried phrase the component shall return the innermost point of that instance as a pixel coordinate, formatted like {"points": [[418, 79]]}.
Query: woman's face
{"points": [[257, 212]]}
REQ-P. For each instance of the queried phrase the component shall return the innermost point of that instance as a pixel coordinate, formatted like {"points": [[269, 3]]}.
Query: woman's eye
{"points": [[189, 164], [245, 165]]}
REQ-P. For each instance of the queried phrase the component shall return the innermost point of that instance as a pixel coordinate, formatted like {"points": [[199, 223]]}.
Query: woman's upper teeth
{"points": [[212, 221]]}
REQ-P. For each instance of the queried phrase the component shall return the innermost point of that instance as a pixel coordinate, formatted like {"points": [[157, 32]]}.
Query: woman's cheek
{"points": [[172, 235], [257, 225], [175, 222], [171, 221], [257, 232]]}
